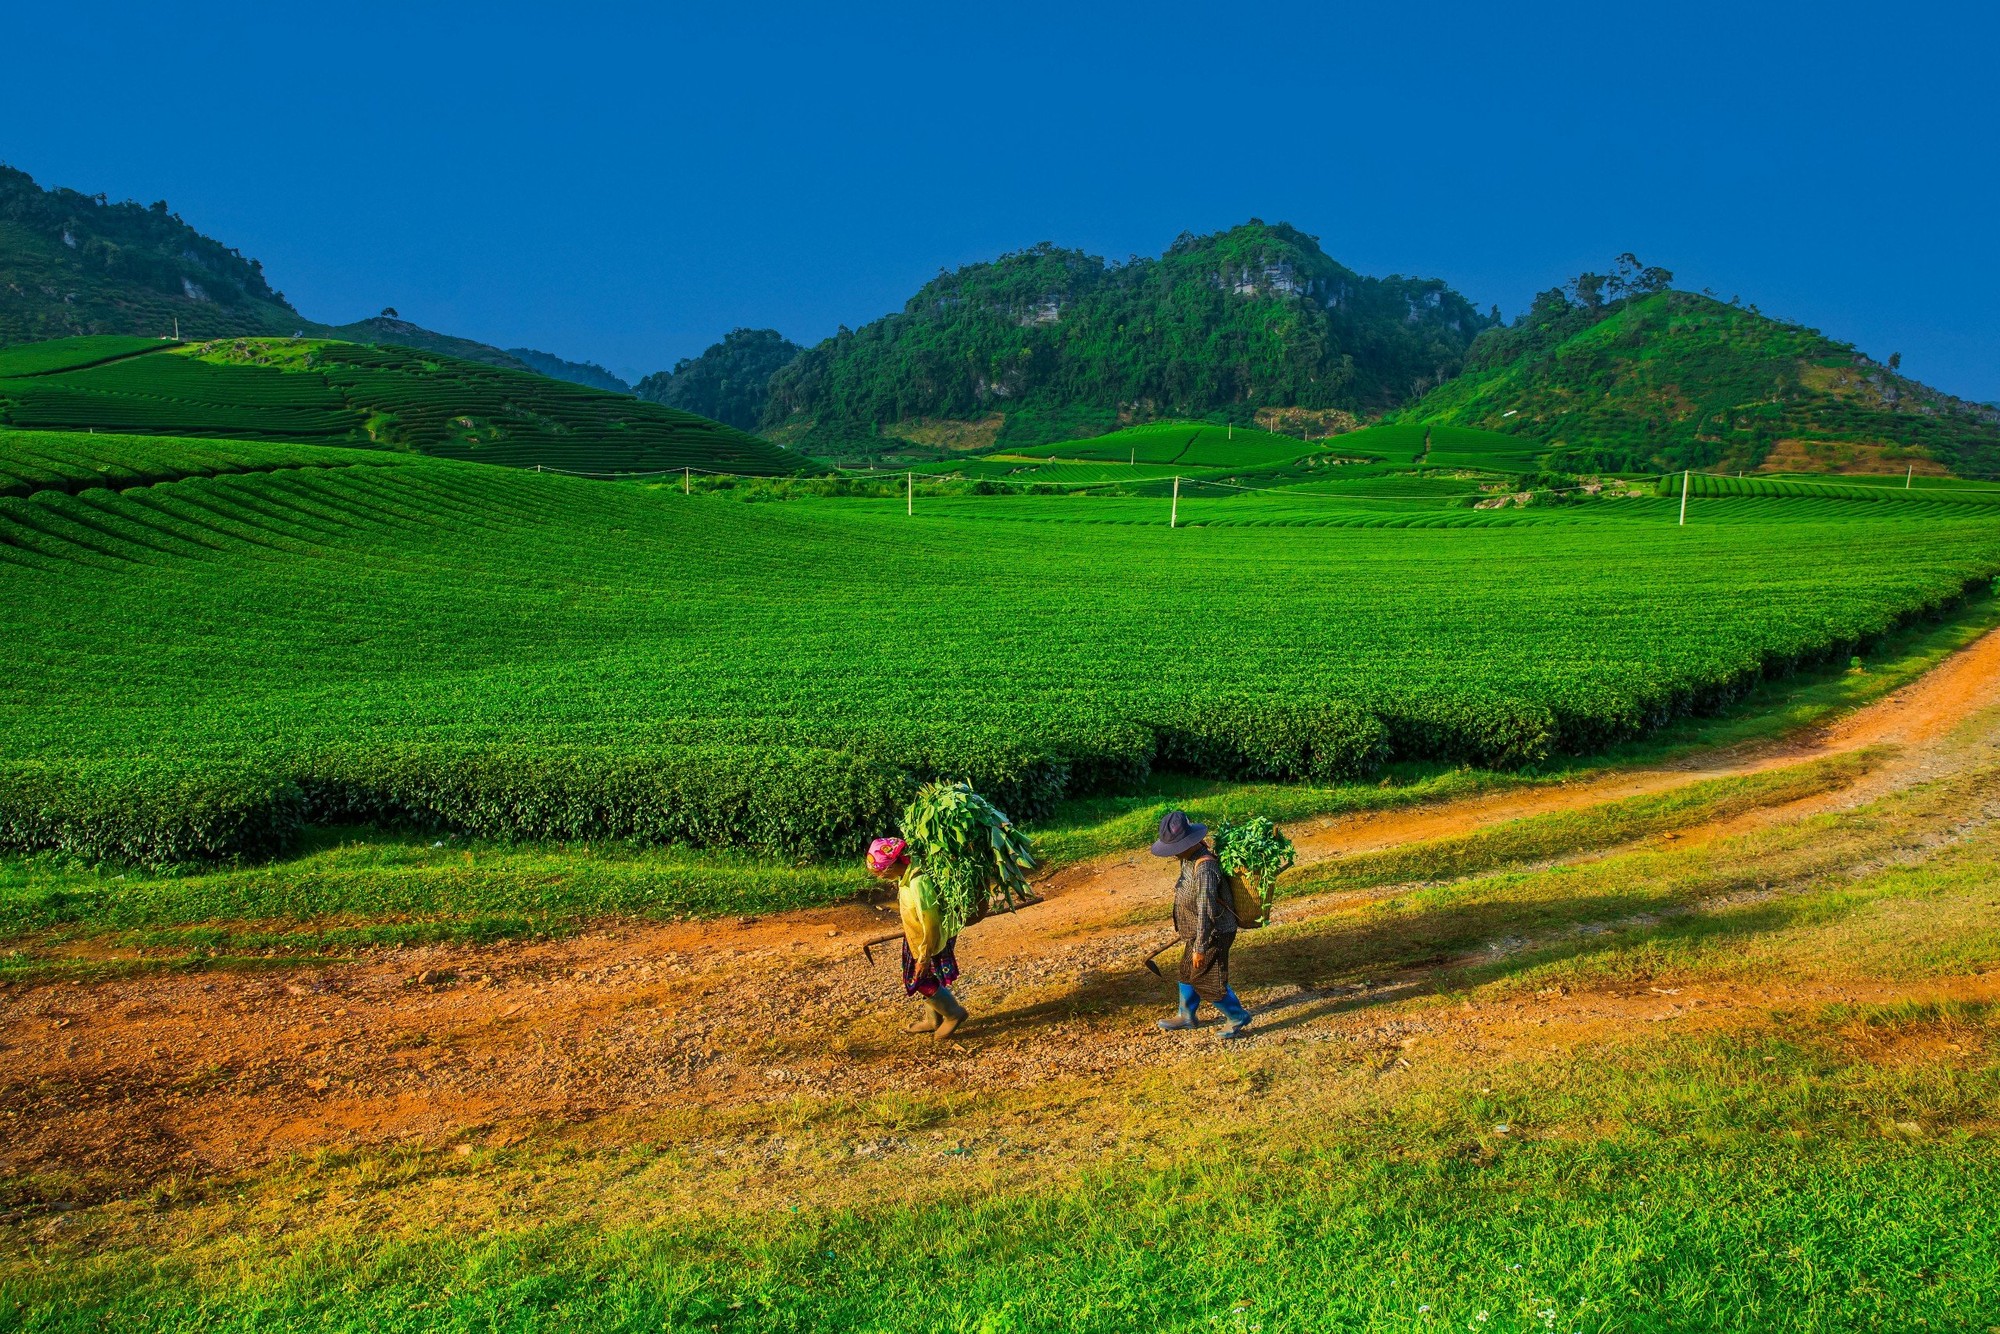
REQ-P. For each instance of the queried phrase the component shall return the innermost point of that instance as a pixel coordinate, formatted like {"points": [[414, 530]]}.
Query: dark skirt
{"points": [[1213, 979], [940, 971]]}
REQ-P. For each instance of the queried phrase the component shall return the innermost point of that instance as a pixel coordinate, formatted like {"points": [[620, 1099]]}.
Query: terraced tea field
{"points": [[522, 654], [321, 392]]}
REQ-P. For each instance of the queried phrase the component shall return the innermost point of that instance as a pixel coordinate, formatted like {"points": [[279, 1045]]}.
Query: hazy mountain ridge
{"points": [[576, 372]]}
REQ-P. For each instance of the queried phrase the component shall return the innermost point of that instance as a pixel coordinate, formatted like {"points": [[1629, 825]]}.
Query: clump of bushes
{"points": [[786, 800], [147, 812], [1324, 741], [1493, 731]]}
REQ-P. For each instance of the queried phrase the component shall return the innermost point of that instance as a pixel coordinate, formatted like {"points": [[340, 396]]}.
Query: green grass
{"points": [[357, 889], [1560, 833], [1749, 1233], [430, 886], [1930, 493], [1465, 447]]}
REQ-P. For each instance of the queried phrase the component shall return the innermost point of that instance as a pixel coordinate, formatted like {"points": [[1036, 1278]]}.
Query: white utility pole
{"points": [[1908, 475], [1174, 515], [1684, 496], [687, 481], [910, 493]]}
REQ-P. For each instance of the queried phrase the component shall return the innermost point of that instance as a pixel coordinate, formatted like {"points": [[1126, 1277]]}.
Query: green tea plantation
{"points": [[200, 654]]}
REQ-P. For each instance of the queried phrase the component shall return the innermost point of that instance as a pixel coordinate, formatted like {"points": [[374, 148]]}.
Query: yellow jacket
{"points": [[923, 928]]}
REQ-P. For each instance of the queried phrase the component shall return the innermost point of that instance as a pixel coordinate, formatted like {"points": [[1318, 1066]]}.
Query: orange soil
{"points": [[214, 1072]]}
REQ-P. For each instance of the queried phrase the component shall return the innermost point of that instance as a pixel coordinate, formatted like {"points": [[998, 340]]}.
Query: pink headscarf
{"points": [[886, 854]]}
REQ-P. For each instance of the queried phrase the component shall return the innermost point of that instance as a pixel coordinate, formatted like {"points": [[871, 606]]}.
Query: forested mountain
{"points": [[1622, 371], [72, 263], [1058, 342], [730, 382], [576, 372]]}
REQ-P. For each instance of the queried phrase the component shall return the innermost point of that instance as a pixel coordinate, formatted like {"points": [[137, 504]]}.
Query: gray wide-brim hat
{"points": [[1177, 834]]}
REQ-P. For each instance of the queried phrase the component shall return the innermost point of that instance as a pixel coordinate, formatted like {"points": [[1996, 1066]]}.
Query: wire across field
{"points": [[260, 615]]}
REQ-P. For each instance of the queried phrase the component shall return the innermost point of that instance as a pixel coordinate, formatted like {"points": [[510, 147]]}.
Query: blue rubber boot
{"points": [[1239, 1017], [1186, 1016]]}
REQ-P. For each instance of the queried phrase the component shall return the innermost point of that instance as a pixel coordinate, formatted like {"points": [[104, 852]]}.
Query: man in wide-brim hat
{"points": [[1205, 920]]}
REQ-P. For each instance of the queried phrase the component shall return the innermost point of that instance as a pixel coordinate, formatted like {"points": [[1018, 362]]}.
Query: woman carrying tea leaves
{"points": [[960, 852], [929, 966]]}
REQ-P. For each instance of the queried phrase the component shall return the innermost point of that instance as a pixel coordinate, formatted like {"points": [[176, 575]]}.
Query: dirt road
{"points": [[215, 1072]]}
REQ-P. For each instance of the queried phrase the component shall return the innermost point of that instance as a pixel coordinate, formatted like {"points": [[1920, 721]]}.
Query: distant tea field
{"points": [[226, 642], [321, 391]]}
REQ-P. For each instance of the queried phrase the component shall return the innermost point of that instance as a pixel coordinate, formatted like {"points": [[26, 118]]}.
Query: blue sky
{"points": [[625, 184]]}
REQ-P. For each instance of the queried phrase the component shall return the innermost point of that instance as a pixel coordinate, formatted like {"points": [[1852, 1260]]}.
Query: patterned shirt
{"points": [[1203, 913]]}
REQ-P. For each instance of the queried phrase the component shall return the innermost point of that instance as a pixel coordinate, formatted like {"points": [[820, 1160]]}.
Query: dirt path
{"points": [[204, 1073]]}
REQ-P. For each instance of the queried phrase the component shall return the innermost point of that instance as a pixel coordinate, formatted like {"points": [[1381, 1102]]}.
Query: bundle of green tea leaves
{"points": [[1258, 851], [967, 851]]}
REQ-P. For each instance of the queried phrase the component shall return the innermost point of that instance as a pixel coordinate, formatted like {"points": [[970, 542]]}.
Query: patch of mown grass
{"points": [[1606, 824], [360, 889], [1788, 904], [1899, 889], [1097, 826], [355, 880]]}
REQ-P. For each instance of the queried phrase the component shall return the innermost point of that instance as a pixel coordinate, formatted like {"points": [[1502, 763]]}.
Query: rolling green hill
{"points": [[325, 392], [1058, 342], [369, 636], [1657, 378], [587, 373]]}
